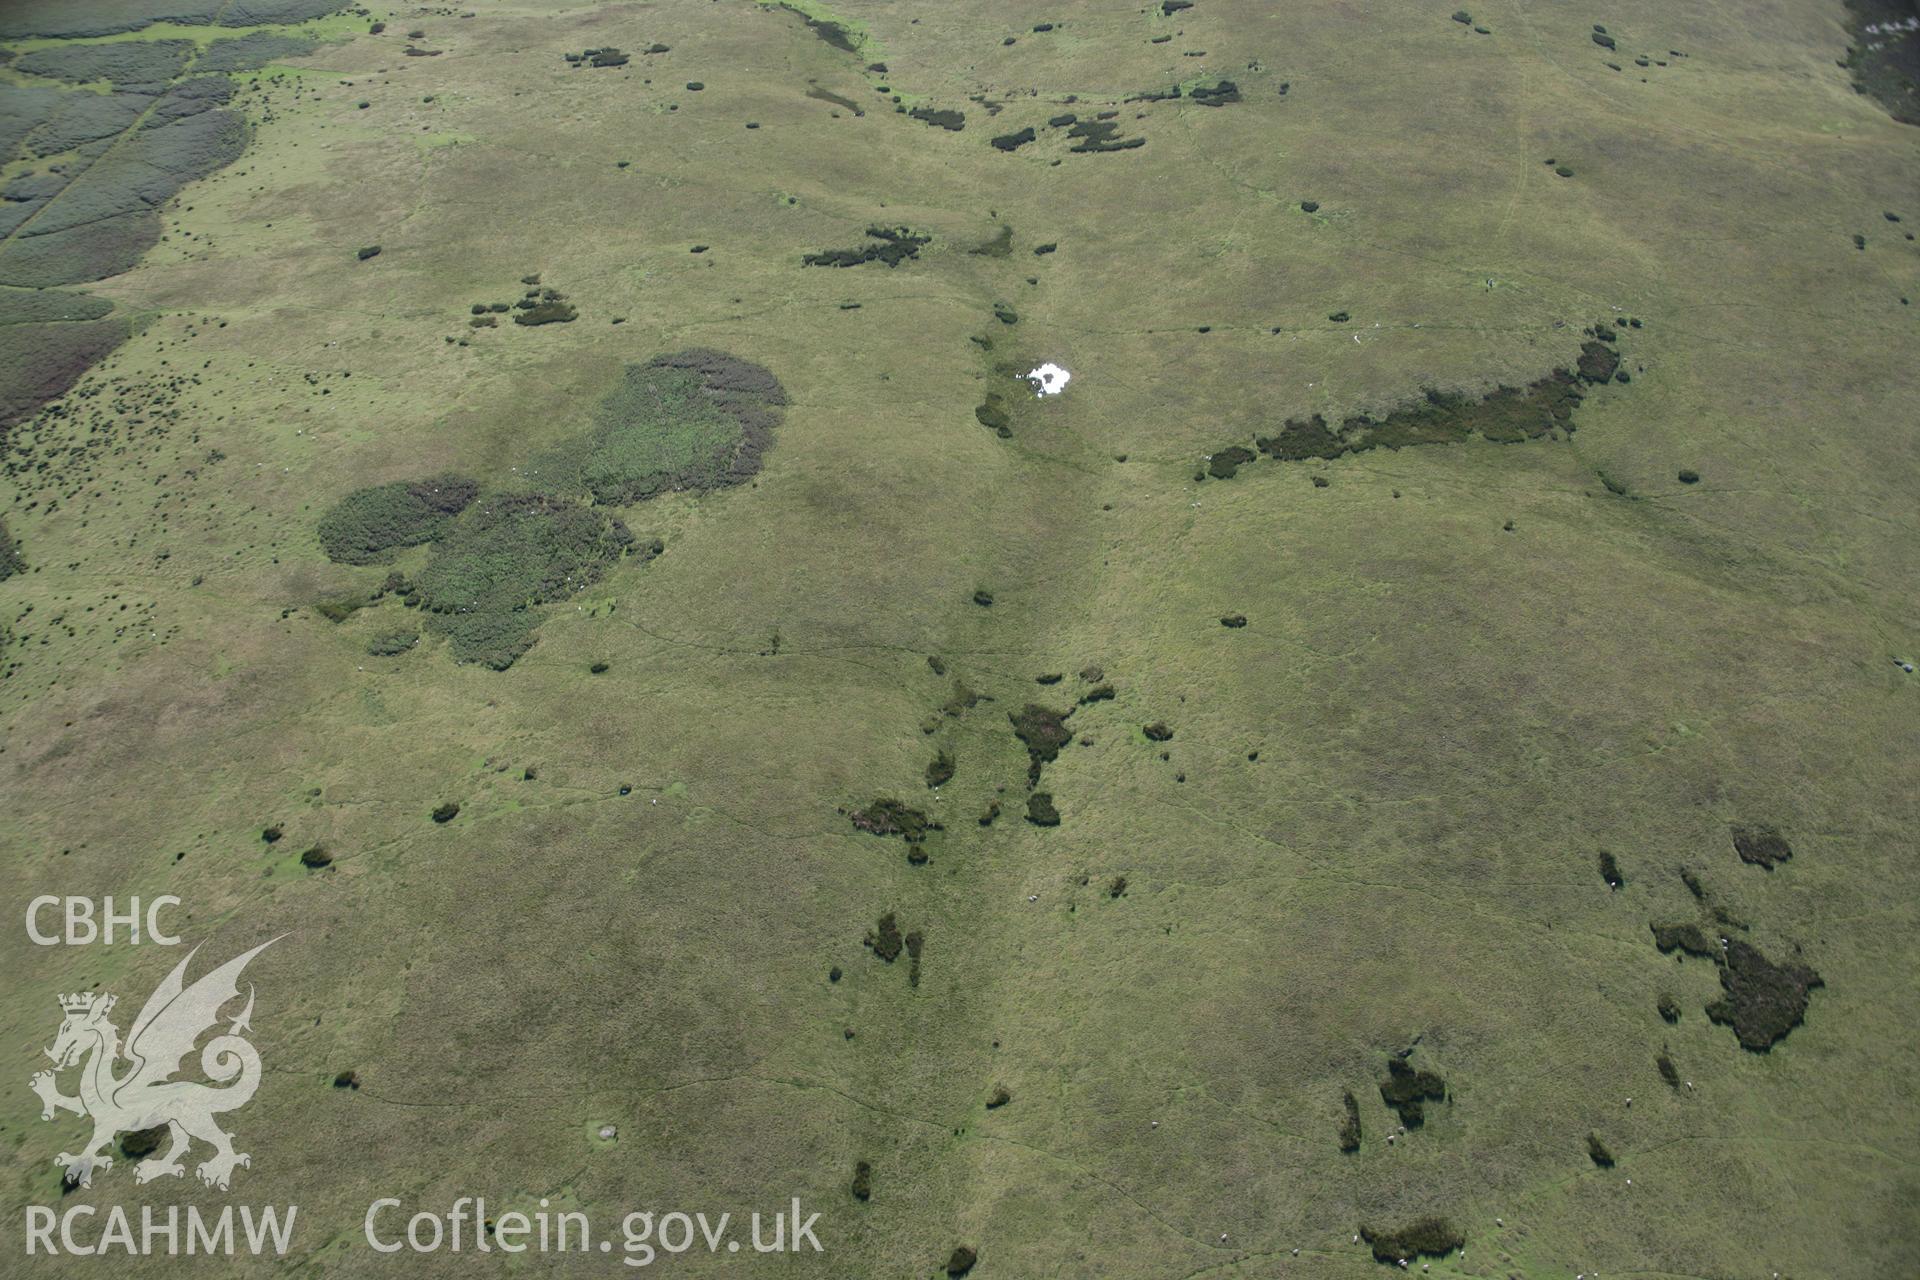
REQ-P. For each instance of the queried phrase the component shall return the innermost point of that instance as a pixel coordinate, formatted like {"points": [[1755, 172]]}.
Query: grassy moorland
{"points": [[1574, 533]]}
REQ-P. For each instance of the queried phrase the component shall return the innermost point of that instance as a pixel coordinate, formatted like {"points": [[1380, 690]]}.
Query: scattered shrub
{"points": [[316, 858], [1233, 620], [1157, 731], [1668, 1072], [1597, 1151], [446, 812], [961, 1261], [1040, 810], [862, 1181], [1669, 1008], [1610, 870], [940, 769], [371, 251], [998, 1098]]}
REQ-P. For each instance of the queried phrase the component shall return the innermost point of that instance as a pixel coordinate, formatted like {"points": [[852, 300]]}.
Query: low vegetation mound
{"points": [[369, 525], [506, 557], [698, 419]]}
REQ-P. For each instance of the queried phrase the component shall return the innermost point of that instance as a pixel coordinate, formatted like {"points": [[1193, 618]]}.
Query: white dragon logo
{"points": [[144, 1098]]}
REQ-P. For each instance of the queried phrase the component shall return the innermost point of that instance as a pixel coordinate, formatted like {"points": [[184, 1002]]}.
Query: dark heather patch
{"points": [[1217, 95], [1763, 1001], [961, 1260], [992, 414], [1350, 1125], [1233, 620], [607, 56], [1507, 415], [862, 1187], [446, 813], [1669, 1008], [138, 1144], [250, 52], [1407, 1090], [1761, 845], [1000, 1097], [1668, 1072], [1226, 463], [1101, 135], [1043, 731], [893, 818], [316, 858], [885, 940], [1690, 938], [1423, 1237], [952, 121], [1099, 693], [893, 246], [368, 525], [1598, 362], [1040, 810], [1597, 1151], [1157, 731], [1014, 141], [832, 33], [1610, 871], [940, 770], [121, 61]]}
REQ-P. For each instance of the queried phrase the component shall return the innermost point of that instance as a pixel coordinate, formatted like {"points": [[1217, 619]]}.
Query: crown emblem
{"points": [[82, 1001]]}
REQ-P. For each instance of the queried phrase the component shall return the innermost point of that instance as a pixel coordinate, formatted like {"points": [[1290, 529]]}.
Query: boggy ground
{"points": [[1466, 669]]}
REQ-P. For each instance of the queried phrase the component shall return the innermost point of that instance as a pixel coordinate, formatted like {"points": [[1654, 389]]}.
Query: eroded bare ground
{"points": [[539, 504]]}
